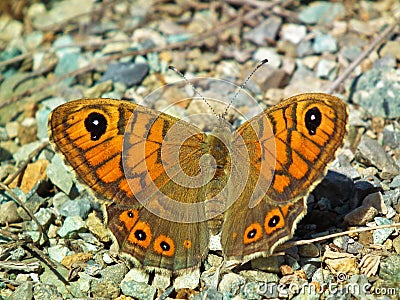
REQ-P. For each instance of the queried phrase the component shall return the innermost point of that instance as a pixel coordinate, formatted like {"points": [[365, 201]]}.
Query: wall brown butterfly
{"points": [[127, 155]]}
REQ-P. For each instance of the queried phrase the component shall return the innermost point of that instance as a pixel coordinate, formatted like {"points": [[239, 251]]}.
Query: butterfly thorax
{"points": [[218, 144]]}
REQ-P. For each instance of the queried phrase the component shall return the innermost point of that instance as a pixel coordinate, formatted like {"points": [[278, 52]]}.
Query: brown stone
{"points": [[33, 173]]}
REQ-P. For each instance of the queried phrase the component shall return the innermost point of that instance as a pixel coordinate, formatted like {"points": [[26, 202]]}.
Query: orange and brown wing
{"points": [[289, 147], [103, 141], [297, 138], [89, 134]]}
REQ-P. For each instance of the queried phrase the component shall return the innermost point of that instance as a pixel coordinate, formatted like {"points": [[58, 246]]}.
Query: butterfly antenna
{"points": [[193, 87], [241, 87]]}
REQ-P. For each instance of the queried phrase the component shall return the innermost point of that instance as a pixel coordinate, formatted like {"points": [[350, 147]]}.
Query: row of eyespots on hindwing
{"points": [[274, 220], [140, 234]]}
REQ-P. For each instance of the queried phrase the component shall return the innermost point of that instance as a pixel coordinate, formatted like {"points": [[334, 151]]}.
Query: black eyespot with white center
{"points": [[312, 120], [165, 246], [140, 235], [252, 233], [274, 221], [96, 125]]}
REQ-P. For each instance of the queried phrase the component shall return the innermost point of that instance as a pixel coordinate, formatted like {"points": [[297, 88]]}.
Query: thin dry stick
{"points": [[47, 261], [191, 42], [330, 236], [32, 266], [19, 202], [33, 154], [15, 59], [378, 40], [8, 234]]}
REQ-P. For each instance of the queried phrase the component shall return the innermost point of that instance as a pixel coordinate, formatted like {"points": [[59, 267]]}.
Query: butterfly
{"points": [[165, 183]]}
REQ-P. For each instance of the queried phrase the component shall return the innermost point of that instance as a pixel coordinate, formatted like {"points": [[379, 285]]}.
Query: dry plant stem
{"points": [[33, 154], [19, 202], [330, 236], [188, 43], [378, 40], [13, 282], [45, 259], [33, 266], [8, 234], [253, 3], [6, 249], [15, 59]]}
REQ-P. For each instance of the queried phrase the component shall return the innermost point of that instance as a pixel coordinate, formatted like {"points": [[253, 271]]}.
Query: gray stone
{"points": [[269, 264], [388, 61], [25, 150], [9, 213], [381, 235], [255, 275], [59, 175], [325, 43], [45, 216], [321, 12], [305, 48], [92, 269], [71, 226], [23, 292], [251, 291], [390, 269], [161, 281], [52, 103], [323, 276], [392, 197], [115, 272], [78, 207], [266, 30], [128, 73], [309, 269], [378, 92], [293, 33], [130, 286], [376, 200], [309, 250], [395, 182], [230, 284], [350, 52], [12, 129], [34, 39], [67, 63], [43, 291], [361, 215], [210, 293], [17, 254], [189, 280], [362, 189], [42, 119], [59, 200], [362, 282], [355, 248], [58, 252], [274, 60], [327, 69], [106, 289], [371, 153]]}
